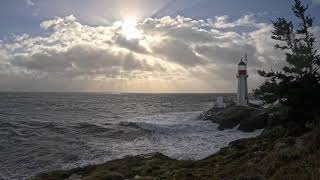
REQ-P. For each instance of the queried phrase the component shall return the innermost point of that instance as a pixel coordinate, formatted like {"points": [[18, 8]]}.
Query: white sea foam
{"points": [[182, 136]]}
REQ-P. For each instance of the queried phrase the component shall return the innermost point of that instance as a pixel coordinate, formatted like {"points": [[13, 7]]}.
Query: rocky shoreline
{"points": [[275, 154], [247, 118]]}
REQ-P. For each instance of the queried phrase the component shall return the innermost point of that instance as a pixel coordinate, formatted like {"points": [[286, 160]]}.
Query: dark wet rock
{"points": [[255, 121], [248, 118], [237, 144]]}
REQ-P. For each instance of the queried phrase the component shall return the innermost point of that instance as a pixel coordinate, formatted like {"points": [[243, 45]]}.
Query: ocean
{"points": [[41, 132]]}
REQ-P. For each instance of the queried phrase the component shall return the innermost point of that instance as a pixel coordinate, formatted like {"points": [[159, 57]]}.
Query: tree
{"points": [[297, 85]]}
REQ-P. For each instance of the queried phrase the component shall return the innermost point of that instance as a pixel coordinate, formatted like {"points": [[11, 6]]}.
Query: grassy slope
{"points": [[273, 155]]}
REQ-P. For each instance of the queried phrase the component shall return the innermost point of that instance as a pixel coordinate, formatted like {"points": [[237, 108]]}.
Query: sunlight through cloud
{"points": [[129, 30]]}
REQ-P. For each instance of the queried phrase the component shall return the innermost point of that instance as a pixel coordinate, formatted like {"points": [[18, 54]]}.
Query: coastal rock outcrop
{"points": [[247, 118]]}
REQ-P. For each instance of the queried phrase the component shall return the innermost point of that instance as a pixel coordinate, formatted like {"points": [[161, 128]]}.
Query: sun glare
{"points": [[130, 31]]}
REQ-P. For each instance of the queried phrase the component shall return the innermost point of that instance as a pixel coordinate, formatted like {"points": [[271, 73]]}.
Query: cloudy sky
{"points": [[137, 45]]}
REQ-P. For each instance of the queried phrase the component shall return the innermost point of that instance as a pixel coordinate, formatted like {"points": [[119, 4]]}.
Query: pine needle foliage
{"points": [[297, 85]]}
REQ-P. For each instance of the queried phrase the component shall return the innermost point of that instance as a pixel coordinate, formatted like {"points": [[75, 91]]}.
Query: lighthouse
{"points": [[242, 83]]}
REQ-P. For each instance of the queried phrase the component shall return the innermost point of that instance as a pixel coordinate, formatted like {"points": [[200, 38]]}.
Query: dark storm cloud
{"points": [[130, 44], [227, 55], [178, 52]]}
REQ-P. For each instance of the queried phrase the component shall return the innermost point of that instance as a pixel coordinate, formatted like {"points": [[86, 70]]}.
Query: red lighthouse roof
{"points": [[242, 63]]}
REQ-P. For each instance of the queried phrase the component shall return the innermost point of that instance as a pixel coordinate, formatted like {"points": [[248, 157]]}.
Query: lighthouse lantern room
{"points": [[242, 83]]}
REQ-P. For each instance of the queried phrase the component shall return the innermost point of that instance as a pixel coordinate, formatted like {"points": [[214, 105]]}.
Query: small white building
{"points": [[242, 97], [219, 103]]}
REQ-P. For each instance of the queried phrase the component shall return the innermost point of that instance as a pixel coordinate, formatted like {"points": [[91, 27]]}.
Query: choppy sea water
{"points": [[42, 132]]}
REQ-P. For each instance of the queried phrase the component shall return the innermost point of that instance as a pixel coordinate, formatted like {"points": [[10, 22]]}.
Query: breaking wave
{"points": [[80, 129], [182, 135]]}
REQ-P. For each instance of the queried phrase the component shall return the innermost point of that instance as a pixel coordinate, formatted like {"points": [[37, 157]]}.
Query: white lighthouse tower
{"points": [[242, 83]]}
